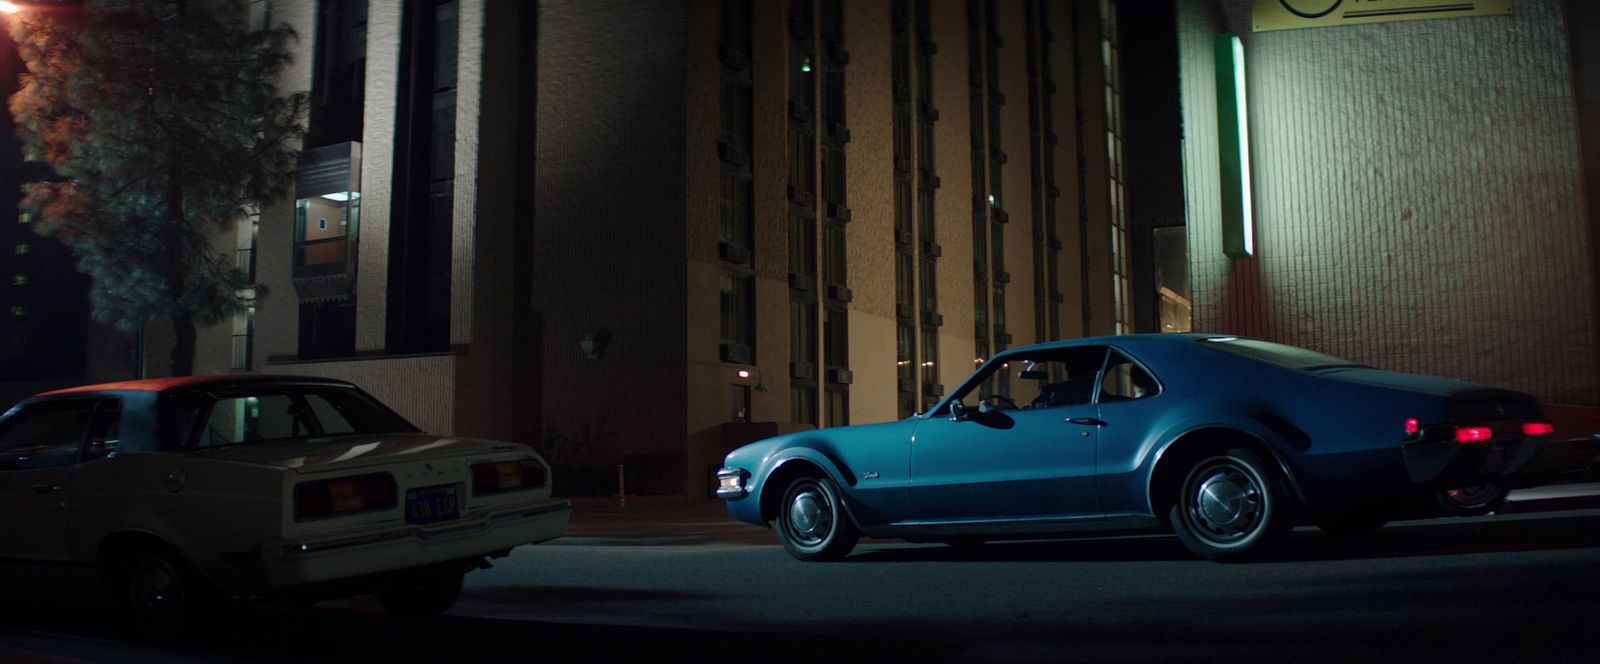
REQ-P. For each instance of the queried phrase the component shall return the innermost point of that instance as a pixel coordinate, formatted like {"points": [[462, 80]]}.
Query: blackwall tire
{"points": [[1475, 500], [168, 600], [812, 522], [1232, 507], [428, 591]]}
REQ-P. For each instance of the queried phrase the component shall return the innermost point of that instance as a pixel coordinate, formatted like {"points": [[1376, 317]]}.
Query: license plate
{"points": [[432, 504]]}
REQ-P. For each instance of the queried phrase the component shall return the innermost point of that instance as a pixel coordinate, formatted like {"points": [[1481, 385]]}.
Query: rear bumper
{"points": [[1513, 464], [290, 563]]}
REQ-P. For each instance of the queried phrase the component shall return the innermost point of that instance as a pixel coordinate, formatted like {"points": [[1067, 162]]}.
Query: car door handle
{"points": [[45, 488], [1086, 421]]}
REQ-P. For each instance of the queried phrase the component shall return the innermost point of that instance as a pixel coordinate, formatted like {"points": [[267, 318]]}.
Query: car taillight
{"points": [[344, 495], [1473, 434], [506, 476], [1413, 426], [1537, 428]]}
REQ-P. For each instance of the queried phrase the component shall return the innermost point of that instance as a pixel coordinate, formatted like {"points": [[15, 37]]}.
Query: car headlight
{"points": [[730, 483]]}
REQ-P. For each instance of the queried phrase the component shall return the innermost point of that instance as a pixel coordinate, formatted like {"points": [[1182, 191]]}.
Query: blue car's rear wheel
{"points": [[1231, 506], [812, 523]]}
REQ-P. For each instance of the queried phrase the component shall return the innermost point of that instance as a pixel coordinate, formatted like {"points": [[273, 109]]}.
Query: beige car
{"points": [[181, 493]]}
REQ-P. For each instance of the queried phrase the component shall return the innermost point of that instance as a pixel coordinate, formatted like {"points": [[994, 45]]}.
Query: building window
{"points": [[738, 403], [24, 217], [736, 241], [1122, 311], [981, 200], [422, 216], [19, 311], [339, 69], [804, 331], [19, 280]]}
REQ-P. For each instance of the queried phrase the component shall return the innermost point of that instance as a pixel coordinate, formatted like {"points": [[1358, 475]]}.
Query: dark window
{"points": [[1042, 379], [738, 403], [421, 221], [738, 310], [339, 73], [45, 434], [276, 412], [1125, 380]]}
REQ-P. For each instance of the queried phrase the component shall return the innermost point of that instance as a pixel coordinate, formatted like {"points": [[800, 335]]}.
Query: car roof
{"points": [[1148, 337], [176, 382]]}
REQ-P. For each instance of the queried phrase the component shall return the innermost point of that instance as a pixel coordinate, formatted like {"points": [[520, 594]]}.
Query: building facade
{"points": [[1419, 192], [640, 233]]}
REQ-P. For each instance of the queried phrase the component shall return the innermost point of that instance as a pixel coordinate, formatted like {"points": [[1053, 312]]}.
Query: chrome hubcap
{"points": [[1227, 505], [810, 516], [157, 596]]}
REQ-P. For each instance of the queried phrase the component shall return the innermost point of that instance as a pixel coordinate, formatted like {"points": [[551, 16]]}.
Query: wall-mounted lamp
{"points": [[1233, 139], [594, 344]]}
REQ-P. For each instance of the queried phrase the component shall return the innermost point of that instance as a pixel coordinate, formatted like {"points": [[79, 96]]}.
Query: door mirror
{"points": [[958, 411]]}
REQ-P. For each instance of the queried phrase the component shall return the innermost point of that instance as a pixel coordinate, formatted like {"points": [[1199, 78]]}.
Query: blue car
{"points": [[1226, 441]]}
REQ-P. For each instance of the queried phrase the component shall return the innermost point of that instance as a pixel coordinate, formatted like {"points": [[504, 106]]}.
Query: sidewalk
{"points": [[676, 520]]}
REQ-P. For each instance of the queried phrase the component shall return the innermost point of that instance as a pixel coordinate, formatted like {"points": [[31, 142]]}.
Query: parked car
{"points": [[180, 493], [1226, 441]]}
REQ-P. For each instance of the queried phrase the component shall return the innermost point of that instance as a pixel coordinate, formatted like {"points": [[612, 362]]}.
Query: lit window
{"points": [[19, 280], [24, 217], [19, 311], [22, 248]]}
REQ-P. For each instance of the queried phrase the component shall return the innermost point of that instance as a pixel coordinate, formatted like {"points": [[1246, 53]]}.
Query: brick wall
{"points": [[1417, 196]]}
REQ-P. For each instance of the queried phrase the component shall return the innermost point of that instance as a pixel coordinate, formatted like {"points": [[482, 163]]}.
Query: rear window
{"points": [[1288, 357], [265, 413]]}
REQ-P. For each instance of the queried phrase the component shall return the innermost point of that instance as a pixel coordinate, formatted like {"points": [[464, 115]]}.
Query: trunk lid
{"points": [[1467, 402]]}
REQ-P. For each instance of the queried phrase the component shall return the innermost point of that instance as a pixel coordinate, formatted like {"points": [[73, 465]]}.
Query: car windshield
{"points": [[264, 413], [1284, 356]]}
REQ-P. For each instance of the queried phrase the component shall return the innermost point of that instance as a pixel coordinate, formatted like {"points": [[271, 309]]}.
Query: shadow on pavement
{"points": [[274, 633], [1467, 535]]}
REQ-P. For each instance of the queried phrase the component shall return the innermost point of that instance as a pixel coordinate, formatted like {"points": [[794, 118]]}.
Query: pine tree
{"points": [[163, 124]]}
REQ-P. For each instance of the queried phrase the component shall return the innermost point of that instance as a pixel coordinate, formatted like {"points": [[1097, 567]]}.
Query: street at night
{"points": [[1510, 587]]}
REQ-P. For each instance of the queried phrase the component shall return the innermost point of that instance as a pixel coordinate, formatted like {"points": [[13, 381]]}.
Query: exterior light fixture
{"points": [[1233, 139], [342, 196], [9, 7]]}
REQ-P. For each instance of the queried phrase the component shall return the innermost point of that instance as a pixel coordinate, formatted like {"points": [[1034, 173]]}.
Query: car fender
{"points": [[816, 451], [1274, 434]]}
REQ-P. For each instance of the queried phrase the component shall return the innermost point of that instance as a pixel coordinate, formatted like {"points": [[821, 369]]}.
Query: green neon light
{"points": [[1233, 138]]}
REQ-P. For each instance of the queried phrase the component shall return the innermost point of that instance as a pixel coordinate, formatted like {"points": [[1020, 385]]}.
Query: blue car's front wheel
{"points": [[812, 522], [1232, 506]]}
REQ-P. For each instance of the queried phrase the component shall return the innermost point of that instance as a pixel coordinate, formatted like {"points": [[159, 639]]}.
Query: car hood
{"points": [[355, 451], [1433, 385]]}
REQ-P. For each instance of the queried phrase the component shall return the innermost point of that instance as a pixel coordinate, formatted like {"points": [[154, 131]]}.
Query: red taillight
{"points": [[1537, 428], [1473, 434], [1412, 426], [506, 476], [343, 495]]}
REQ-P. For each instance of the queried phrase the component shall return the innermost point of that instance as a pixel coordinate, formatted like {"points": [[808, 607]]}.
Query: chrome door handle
{"points": [[1086, 421]]}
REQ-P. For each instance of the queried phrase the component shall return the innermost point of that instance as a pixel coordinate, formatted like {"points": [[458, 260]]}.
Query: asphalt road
{"points": [[1517, 587]]}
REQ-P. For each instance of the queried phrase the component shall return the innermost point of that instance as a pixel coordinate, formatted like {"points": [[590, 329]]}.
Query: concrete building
{"points": [[644, 232], [1424, 191]]}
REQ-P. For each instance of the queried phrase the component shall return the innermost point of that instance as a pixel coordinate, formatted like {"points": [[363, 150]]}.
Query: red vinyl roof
{"points": [[164, 384]]}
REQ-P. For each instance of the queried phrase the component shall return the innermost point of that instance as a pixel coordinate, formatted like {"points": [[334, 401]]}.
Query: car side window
{"points": [[105, 429], [1045, 379], [246, 419], [1125, 380], [45, 434]]}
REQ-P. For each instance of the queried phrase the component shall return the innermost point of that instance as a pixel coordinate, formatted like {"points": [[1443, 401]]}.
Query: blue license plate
{"points": [[433, 504]]}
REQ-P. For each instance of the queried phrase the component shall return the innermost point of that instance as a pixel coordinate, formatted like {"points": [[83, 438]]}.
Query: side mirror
{"points": [[958, 411]]}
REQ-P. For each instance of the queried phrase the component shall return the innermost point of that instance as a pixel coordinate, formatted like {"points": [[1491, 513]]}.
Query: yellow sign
{"points": [[1292, 14]]}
